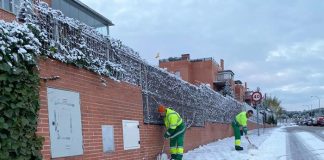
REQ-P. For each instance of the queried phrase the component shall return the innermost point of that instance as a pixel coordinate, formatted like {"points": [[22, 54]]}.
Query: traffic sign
{"points": [[256, 96]]}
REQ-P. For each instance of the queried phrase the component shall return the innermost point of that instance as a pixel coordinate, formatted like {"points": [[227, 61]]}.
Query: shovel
{"points": [[162, 155], [251, 144]]}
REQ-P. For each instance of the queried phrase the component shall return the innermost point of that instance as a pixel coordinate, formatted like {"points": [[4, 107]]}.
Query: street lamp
{"points": [[319, 101]]}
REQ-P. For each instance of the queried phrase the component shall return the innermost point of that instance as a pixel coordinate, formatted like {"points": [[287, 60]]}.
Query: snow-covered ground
{"points": [[271, 145]]}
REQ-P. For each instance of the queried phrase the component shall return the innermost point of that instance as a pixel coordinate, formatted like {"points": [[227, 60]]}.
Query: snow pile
{"points": [[271, 145]]}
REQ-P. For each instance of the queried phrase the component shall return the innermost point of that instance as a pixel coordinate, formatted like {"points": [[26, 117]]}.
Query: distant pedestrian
{"points": [[240, 120], [175, 131]]}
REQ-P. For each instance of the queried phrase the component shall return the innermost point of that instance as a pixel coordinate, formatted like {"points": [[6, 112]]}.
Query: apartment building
{"points": [[207, 71], [70, 8]]}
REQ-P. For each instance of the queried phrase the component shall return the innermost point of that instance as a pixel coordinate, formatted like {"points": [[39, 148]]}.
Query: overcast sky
{"points": [[277, 45]]}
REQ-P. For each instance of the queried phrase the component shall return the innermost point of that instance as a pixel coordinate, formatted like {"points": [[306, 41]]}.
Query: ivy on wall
{"points": [[19, 97]]}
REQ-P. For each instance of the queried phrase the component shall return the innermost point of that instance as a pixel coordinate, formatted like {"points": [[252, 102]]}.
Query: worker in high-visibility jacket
{"points": [[175, 130], [240, 120]]}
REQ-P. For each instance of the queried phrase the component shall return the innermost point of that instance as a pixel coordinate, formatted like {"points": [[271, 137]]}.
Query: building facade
{"points": [[207, 71], [191, 70], [70, 8]]}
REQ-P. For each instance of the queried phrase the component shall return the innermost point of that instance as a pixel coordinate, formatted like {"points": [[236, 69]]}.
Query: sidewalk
{"points": [[271, 145]]}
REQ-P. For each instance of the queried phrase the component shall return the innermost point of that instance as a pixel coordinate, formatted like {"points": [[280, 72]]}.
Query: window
{"points": [[10, 5], [75, 10], [103, 30], [177, 73]]}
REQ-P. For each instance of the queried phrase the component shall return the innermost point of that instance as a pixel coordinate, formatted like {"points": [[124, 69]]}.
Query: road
{"points": [[297, 149]]}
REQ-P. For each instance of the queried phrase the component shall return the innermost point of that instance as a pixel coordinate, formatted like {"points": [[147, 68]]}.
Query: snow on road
{"points": [[271, 145], [315, 145]]}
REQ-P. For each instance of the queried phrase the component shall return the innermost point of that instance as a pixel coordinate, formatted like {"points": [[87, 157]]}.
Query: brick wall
{"points": [[110, 105], [6, 16], [100, 105], [202, 72], [239, 92], [49, 2], [183, 66], [193, 72]]}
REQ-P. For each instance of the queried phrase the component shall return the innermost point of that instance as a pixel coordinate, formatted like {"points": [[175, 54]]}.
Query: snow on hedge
{"points": [[25, 43], [71, 41]]}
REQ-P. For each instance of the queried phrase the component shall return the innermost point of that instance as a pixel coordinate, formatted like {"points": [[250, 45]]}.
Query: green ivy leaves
{"points": [[19, 97]]}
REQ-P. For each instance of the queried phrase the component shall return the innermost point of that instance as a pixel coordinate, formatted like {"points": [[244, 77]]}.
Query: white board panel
{"points": [[64, 123], [131, 135], [108, 138]]}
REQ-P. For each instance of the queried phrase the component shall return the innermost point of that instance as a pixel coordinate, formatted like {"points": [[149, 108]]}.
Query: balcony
{"points": [[225, 76]]}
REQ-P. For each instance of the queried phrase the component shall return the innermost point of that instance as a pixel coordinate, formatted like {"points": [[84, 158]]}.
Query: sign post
{"points": [[256, 98]]}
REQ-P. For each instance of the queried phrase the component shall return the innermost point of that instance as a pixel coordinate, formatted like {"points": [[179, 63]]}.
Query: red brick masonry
{"points": [[109, 105]]}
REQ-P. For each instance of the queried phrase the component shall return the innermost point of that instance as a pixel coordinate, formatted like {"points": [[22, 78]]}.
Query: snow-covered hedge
{"points": [[19, 99], [71, 41]]}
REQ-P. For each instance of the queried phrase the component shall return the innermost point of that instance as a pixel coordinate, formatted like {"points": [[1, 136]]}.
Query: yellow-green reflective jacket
{"points": [[172, 119], [241, 119]]}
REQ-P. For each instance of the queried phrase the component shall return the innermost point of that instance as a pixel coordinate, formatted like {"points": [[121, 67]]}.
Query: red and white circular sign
{"points": [[256, 96]]}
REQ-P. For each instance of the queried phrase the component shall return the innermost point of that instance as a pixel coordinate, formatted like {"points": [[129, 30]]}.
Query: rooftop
{"points": [[186, 57]]}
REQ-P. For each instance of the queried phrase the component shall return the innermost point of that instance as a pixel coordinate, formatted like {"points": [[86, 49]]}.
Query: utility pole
{"points": [[257, 97]]}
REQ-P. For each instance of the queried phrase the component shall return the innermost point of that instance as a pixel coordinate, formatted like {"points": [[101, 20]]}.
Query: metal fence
{"points": [[68, 39], [196, 104]]}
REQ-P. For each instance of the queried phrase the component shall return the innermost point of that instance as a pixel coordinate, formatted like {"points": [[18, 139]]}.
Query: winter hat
{"points": [[161, 109]]}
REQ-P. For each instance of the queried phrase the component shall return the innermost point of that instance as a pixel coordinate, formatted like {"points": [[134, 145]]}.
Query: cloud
{"points": [[297, 51]]}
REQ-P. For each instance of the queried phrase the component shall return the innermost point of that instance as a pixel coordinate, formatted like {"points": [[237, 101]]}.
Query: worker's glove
{"points": [[166, 135], [241, 131]]}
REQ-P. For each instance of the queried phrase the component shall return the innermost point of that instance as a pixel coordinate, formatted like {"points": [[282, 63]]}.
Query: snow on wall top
{"points": [[71, 41]]}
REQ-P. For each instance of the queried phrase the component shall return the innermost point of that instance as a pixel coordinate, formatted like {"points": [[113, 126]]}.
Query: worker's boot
{"points": [[238, 148], [173, 157], [179, 157]]}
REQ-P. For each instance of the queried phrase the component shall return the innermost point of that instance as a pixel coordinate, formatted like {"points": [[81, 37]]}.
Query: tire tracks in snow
{"points": [[297, 149]]}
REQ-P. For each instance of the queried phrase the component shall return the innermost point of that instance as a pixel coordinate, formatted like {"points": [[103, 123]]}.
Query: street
{"points": [[297, 147], [287, 142]]}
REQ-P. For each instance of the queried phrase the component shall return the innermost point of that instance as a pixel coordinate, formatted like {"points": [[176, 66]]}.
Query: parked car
{"points": [[320, 121], [304, 122], [314, 121], [309, 122]]}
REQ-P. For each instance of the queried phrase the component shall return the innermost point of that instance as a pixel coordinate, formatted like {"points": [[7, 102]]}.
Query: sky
{"points": [[274, 44]]}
